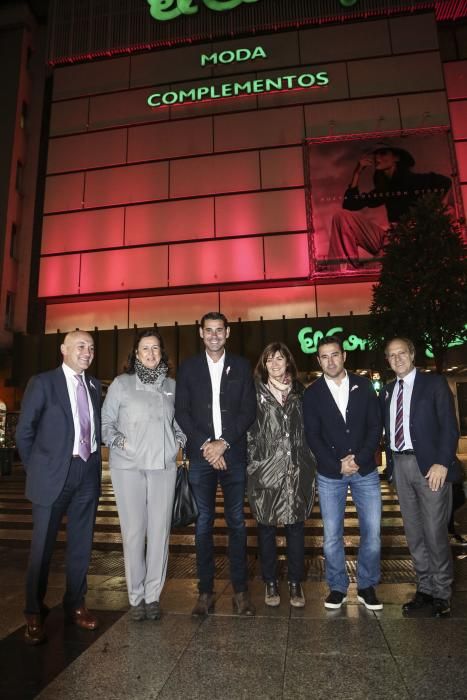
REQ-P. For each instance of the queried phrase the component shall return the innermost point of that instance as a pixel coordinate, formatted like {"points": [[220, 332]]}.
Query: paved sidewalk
{"points": [[281, 653]]}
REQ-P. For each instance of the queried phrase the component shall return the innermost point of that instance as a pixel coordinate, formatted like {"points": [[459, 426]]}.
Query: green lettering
{"points": [[306, 80], [151, 98], [170, 98], [187, 95], [222, 5], [226, 89], [258, 85], [259, 52], [208, 59], [242, 87], [164, 10], [272, 84], [322, 78], [289, 79]]}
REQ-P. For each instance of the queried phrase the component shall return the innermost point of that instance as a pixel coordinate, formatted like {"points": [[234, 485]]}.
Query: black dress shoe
{"points": [[441, 608], [419, 601]]}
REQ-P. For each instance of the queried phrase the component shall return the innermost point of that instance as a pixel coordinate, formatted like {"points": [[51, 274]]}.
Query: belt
{"points": [[403, 452]]}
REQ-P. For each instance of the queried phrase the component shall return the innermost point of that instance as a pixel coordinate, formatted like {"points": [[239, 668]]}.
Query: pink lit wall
{"points": [[208, 199], [455, 74]]}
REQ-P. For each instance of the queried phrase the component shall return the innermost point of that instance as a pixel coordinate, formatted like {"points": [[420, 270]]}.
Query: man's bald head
{"points": [[78, 350]]}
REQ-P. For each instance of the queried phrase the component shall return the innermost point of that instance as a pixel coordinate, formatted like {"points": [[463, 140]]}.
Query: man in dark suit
{"points": [[421, 441], [58, 438], [215, 404], [343, 429]]}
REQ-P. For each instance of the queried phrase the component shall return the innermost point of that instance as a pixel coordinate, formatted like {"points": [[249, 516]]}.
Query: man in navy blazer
{"points": [[215, 404], [50, 437], [421, 441], [343, 428]]}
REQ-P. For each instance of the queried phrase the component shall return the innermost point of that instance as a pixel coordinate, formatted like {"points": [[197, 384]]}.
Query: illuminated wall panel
{"points": [[459, 119], [422, 110], [129, 107], [252, 130], [112, 270], [216, 262], [70, 116], [169, 65], [286, 256], [341, 299], [165, 310], [214, 174], [461, 155], [251, 304], [169, 221], [456, 79], [464, 196], [352, 116], [396, 74], [87, 151], [170, 140], [133, 183], [87, 315], [89, 78], [282, 167], [88, 229], [64, 192], [336, 89], [59, 276], [345, 41], [260, 212], [410, 34]]}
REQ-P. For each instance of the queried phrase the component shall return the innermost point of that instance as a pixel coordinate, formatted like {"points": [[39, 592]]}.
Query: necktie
{"points": [[399, 430], [84, 449]]}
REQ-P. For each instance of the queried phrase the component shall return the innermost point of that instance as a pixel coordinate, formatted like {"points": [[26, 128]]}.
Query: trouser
{"points": [[78, 499], [204, 480], [351, 230], [366, 494], [425, 514], [295, 537], [145, 501]]}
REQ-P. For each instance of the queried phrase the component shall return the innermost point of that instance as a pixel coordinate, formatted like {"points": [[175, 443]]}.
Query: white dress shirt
{"points": [[340, 393], [407, 396], [72, 383], [215, 370]]}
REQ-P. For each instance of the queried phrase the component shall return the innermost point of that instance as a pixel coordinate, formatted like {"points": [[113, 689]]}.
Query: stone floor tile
{"points": [[262, 636], [342, 677], [428, 638], [434, 678], [225, 676], [349, 636]]}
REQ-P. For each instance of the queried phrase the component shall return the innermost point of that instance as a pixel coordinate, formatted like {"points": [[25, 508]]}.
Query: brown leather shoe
{"points": [[34, 633], [242, 604], [83, 618], [204, 604]]}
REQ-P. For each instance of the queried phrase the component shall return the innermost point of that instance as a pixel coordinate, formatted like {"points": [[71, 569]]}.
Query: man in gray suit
{"points": [[421, 440], [58, 438]]}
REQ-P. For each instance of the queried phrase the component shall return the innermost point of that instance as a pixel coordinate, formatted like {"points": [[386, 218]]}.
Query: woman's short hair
{"points": [[261, 371], [150, 333]]}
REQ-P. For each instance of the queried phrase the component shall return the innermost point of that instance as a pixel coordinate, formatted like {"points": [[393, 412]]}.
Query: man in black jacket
{"points": [[215, 404], [343, 428]]}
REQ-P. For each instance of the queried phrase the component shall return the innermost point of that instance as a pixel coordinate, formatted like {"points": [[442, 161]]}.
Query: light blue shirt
{"points": [[408, 388]]}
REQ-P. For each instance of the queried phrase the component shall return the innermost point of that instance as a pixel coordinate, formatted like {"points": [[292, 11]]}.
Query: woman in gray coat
{"points": [[138, 426], [281, 470]]}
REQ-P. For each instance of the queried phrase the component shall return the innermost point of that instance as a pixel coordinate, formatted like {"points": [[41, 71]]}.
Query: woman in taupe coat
{"points": [[138, 426], [281, 469]]}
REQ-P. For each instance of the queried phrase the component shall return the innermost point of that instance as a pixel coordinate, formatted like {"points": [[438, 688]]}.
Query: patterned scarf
{"points": [[280, 390], [149, 375]]}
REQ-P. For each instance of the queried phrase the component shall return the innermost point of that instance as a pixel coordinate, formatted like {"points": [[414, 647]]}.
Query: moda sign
{"points": [[292, 81]]}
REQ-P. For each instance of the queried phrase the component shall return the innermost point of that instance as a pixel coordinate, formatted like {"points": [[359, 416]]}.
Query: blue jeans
{"points": [[295, 537], [366, 494], [204, 480]]}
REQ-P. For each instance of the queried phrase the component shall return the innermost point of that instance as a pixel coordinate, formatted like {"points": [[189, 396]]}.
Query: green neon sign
{"points": [[248, 87], [309, 340], [164, 10]]}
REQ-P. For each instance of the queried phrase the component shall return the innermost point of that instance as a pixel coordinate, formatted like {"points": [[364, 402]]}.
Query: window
{"points": [[14, 242], [9, 310]]}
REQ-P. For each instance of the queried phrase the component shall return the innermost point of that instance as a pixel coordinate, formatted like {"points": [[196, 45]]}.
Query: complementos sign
{"points": [[292, 81], [163, 10]]}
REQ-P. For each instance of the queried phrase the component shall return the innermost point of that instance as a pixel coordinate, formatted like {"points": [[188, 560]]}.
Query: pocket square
{"points": [[355, 386]]}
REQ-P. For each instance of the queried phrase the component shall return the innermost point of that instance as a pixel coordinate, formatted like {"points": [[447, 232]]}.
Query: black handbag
{"points": [[185, 510]]}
